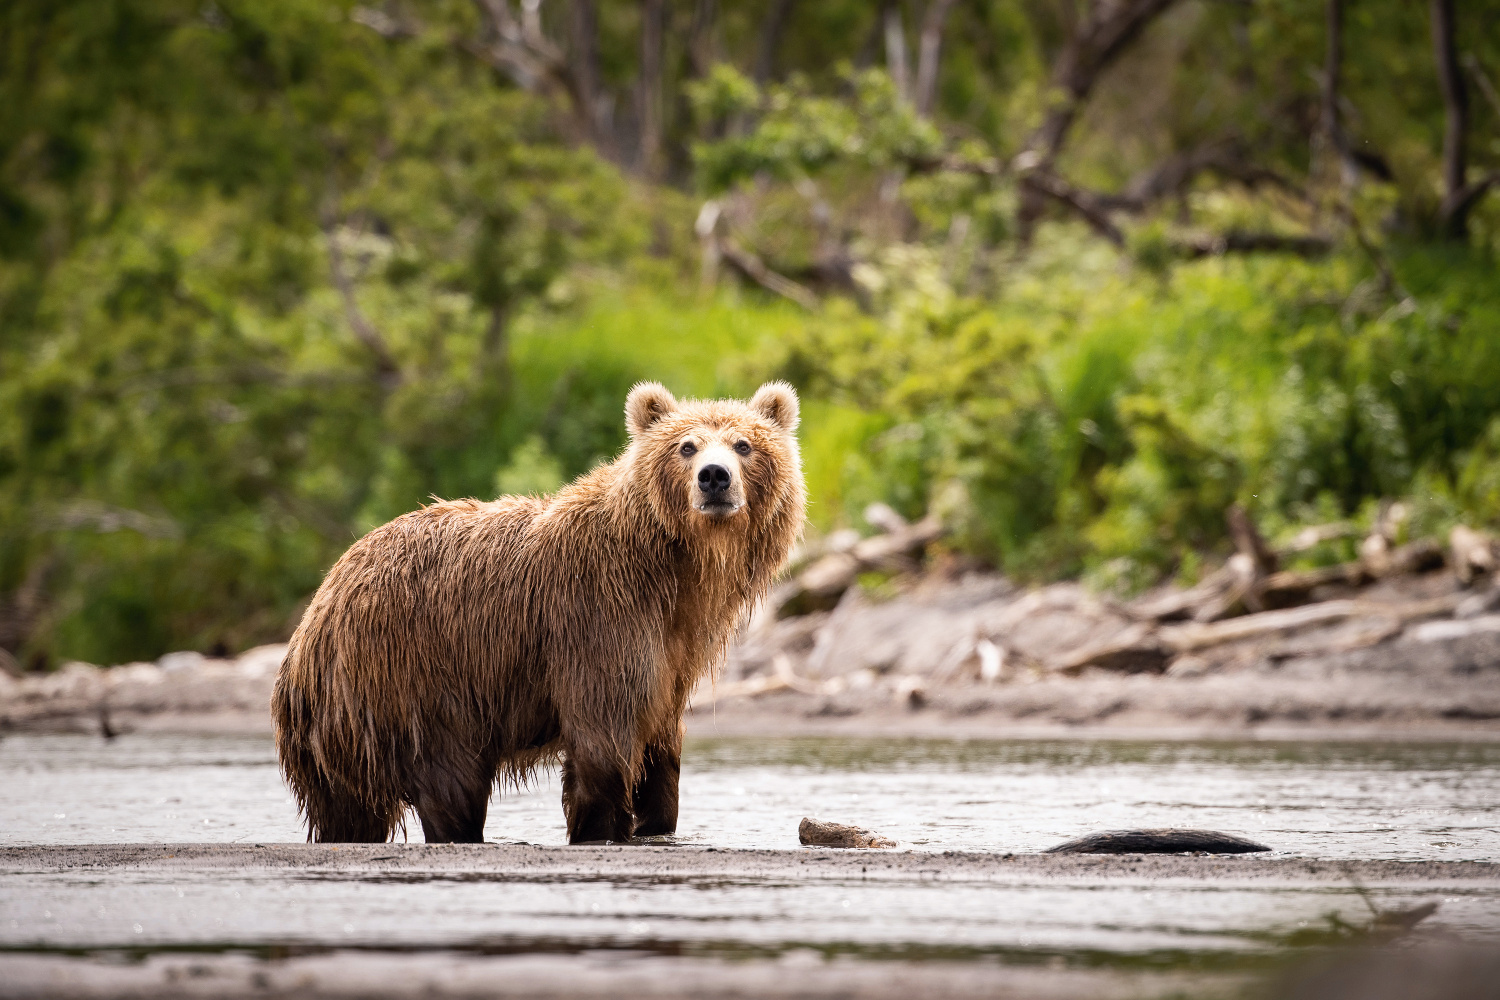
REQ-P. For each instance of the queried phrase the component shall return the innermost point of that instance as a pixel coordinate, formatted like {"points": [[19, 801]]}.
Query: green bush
{"points": [[1103, 419]]}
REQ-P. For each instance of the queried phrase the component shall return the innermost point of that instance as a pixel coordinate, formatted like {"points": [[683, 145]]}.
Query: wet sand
{"points": [[279, 949], [669, 861]]}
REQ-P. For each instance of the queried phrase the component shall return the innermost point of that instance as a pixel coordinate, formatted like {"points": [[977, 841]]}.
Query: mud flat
{"points": [[508, 919]]}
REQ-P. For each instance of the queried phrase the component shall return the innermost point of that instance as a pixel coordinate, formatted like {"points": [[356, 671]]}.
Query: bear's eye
{"points": [[688, 449], [743, 447]]}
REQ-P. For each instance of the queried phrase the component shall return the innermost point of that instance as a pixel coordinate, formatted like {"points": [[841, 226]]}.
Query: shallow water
{"points": [[1327, 800], [1323, 800]]}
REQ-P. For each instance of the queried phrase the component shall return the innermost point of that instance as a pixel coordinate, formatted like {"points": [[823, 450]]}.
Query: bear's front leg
{"points": [[596, 800], [655, 798]]}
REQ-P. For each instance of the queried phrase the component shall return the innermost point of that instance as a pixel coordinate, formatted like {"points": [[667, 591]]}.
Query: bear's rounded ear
{"points": [[647, 403], [777, 402]]}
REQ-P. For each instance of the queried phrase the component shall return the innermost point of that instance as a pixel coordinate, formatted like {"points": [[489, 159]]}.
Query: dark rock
{"points": [[1167, 841]]}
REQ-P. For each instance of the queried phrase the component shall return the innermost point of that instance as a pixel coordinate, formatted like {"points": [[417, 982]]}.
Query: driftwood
{"points": [[1244, 583], [1144, 648], [1441, 631], [1190, 637], [816, 833], [1376, 562], [819, 586], [1137, 650], [1473, 553], [1162, 841]]}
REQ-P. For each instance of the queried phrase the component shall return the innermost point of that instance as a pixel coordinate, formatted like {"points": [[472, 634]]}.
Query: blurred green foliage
{"points": [[274, 272], [1102, 419]]}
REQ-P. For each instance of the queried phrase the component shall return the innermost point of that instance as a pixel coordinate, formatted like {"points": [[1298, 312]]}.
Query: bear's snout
{"points": [[717, 483]]}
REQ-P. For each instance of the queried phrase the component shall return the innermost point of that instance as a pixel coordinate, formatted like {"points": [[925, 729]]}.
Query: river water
{"points": [[1315, 799]]}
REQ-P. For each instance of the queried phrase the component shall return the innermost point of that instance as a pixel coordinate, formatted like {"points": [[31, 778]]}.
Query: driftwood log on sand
{"points": [[1160, 841], [1251, 580], [821, 584], [1143, 648], [817, 833]]}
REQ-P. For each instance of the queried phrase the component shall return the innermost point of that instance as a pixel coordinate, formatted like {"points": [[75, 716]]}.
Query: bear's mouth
{"points": [[718, 508]]}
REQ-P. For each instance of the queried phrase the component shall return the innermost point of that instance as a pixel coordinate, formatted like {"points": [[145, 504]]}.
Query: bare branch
{"points": [[105, 519], [929, 47], [385, 363], [718, 248], [1090, 206], [1388, 282], [519, 49], [1107, 32], [1109, 29], [752, 267], [1486, 87], [1177, 172], [1468, 196], [1240, 241]]}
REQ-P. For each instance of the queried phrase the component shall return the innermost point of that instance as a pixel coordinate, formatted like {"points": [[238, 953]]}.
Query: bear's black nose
{"points": [[713, 479]]}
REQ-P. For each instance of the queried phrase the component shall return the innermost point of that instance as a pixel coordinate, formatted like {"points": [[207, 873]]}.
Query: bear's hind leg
{"points": [[343, 819], [596, 801], [655, 798]]}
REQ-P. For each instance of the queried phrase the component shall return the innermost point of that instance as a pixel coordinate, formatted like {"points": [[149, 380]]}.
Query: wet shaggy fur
{"points": [[467, 642]]}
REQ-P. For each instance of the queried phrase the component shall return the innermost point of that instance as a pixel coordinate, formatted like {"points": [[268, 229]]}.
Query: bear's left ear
{"points": [[777, 402], [647, 403]]}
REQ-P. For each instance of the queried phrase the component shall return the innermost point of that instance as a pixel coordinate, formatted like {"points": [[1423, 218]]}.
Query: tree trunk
{"points": [[583, 34], [1331, 137], [929, 48], [1454, 212], [653, 70], [702, 52], [770, 40], [895, 50]]}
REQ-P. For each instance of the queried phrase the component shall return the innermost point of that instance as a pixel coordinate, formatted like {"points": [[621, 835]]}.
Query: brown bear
{"points": [[466, 643]]}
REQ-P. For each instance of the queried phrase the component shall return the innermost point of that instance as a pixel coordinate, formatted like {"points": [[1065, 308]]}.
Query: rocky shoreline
{"points": [[973, 655]]}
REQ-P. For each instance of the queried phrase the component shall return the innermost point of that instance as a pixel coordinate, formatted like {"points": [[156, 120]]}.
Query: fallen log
{"points": [[1441, 631], [1137, 650], [1146, 648], [819, 587], [1183, 603], [1160, 841], [1190, 637], [817, 833], [1294, 586]]}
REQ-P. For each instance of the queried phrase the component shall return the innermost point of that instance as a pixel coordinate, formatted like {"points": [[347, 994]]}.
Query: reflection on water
{"points": [[1331, 800]]}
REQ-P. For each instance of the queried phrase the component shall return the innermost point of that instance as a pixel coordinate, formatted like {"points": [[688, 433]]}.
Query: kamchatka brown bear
{"points": [[466, 643]]}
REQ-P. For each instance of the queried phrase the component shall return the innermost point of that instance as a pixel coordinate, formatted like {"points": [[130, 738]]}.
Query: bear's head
{"points": [[718, 465]]}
